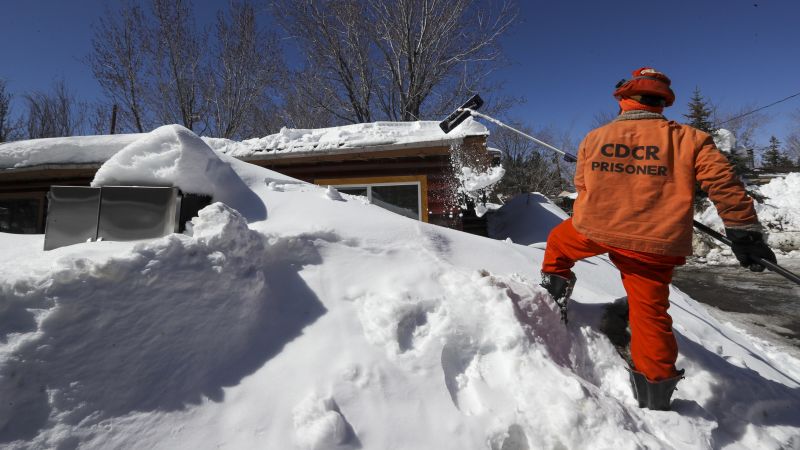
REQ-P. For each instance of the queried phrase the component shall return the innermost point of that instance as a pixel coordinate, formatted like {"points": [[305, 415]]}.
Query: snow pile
{"points": [[174, 156], [157, 326], [779, 213], [333, 194], [526, 219], [340, 325]]}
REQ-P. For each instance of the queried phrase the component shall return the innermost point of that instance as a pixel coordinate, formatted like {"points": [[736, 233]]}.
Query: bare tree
{"points": [[246, 64], [300, 110], [54, 114], [529, 167], [744, 127], [337, 41], [119, 61], [176, 68], [604, 117], [398, 60], [8, 127], [792, 141], [435, 44]]}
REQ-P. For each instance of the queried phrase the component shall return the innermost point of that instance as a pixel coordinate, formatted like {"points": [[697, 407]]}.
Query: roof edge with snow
{"points": [[89, 151]]}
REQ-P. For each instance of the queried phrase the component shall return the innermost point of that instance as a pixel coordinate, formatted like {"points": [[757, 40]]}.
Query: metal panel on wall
{"points": [[129, 213], [71, 215]]}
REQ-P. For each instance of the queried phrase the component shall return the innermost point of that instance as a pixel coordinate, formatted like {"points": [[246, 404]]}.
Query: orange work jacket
{"points": [[636, 182]]}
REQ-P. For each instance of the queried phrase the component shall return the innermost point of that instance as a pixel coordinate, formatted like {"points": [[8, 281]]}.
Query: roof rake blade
{"points": [[460, 114]]}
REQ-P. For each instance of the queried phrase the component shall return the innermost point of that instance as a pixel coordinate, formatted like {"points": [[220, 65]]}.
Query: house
{"points": [[407, 167]]}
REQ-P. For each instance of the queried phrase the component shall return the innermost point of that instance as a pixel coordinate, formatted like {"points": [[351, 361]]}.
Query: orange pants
{"points": [[646, 278]]}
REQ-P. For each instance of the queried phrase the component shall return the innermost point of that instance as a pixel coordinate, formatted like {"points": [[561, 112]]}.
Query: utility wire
{"points": [[758, 109]]}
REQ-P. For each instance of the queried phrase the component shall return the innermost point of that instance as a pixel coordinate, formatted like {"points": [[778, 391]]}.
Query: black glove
{"points": [[749, 245]]}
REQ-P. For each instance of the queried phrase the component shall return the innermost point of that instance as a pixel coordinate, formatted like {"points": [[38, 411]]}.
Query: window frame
{"points": [[420, 181], [40, 197]]}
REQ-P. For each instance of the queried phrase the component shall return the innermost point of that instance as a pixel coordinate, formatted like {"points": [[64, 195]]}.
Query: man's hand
{"points": [[748, 246]]}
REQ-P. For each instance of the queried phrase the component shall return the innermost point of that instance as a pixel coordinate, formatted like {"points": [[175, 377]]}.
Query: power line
{"points": [[759, 109]]}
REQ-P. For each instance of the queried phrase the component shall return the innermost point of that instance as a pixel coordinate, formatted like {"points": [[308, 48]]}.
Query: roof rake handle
{"points": [[567, 156], [768, 264], [470, 109]]}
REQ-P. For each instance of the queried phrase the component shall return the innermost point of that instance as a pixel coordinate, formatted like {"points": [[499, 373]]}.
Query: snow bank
{"points": [[174, 156], [779, 213], [525, 219], [158, 326]]}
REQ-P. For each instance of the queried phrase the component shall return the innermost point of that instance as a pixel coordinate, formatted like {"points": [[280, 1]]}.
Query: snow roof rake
{"points": [[469, 109]]}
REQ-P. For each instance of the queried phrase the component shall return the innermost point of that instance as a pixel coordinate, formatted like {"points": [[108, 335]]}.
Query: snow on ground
{"points": [[335, 324], [525, 219], [779, 212]]}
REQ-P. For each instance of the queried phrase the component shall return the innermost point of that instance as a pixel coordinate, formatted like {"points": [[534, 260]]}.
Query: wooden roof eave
{"points": [[409, 150]]}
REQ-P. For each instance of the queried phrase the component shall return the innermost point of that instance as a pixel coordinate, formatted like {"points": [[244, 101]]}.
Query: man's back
{"points": [[636, 179]]}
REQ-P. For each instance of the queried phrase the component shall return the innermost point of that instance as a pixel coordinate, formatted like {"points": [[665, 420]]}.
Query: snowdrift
{"points": [[335, 324], [779, 212], [525, 219]]}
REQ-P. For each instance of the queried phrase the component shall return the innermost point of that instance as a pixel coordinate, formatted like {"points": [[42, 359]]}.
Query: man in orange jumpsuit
{"points": [[636, 182]]}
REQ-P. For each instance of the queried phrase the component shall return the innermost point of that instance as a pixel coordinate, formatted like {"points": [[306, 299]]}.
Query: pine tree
{"points": [[699, 113], [772, 156]]}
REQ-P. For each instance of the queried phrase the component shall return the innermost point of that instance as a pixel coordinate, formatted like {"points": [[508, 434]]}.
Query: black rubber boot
{"points": [[654, 394], [560, 288], [614, 324]]}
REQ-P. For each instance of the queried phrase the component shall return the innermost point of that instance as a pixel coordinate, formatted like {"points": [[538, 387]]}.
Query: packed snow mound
{"points": [[526, 219], [779, 213], [160, 325], [172, 155]]}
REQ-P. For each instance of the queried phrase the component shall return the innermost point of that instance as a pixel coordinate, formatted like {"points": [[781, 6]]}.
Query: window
{"points": [[20, 215], [402, 195]]}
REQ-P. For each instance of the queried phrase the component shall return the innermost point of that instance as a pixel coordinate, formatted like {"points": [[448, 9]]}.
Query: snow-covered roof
{"points": [[365, 137]]}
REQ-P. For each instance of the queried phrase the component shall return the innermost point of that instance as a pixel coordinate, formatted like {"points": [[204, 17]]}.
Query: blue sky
{"points": [[568, 55], [564, 56]]}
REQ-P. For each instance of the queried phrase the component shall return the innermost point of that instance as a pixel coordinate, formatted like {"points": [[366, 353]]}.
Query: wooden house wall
{"points": [[432, 163]]}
